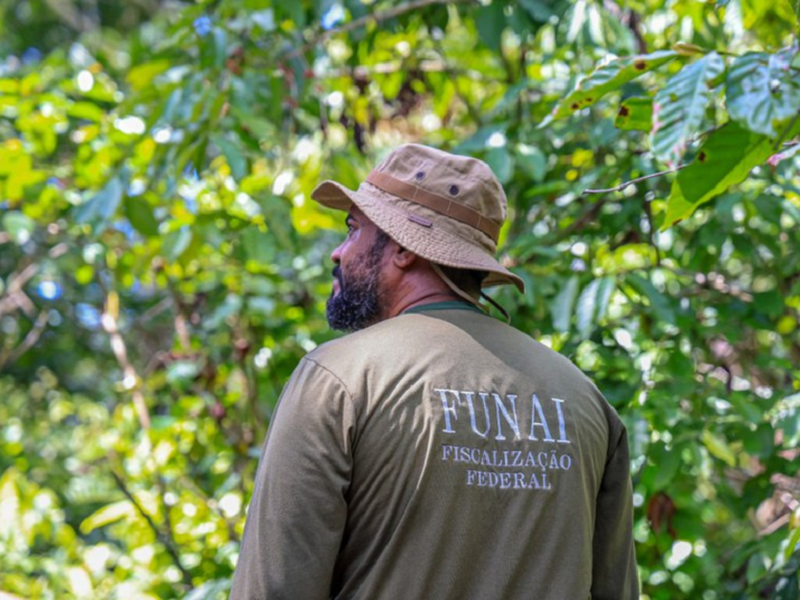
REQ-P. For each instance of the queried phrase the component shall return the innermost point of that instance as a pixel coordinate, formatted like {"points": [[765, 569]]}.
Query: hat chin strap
{"points": [[462, 294]]}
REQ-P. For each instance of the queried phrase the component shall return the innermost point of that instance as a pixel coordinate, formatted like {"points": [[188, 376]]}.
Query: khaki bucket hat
{"points": [[443, 207]]}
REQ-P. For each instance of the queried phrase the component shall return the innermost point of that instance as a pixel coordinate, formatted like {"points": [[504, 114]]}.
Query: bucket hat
{"points": [[443, 207]]}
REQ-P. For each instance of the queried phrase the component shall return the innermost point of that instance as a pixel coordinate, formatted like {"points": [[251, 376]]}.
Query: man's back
{"points": [[440, 455]]}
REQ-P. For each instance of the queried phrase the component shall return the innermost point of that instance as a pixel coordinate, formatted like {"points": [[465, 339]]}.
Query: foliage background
{"points": [[162, 269]]}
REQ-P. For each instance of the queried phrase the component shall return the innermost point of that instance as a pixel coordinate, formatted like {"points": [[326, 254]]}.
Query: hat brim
{"points": [[439, 243]]}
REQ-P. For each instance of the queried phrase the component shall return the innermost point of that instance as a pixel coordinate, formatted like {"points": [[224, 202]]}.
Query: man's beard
{"points": [[358, 305]]}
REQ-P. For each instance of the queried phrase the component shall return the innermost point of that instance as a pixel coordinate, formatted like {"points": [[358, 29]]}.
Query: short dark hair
{"points": [[468, 280]]}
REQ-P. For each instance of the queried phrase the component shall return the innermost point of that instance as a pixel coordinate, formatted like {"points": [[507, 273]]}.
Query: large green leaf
{"points": [[562, 305], [635, 114], [718, 446], [233, 155], [724, 160], [763, 91], [103, 205], [592, 304], [680, 105], [608, 78], [490, 22], [659, 303], [140, 214], [107, 514]]}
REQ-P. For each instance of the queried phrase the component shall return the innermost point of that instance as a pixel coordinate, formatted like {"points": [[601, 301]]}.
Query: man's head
{"points": [[355, 301], [442, 214]]}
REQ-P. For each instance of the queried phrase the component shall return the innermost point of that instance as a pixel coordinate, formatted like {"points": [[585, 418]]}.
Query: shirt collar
{"points": [[444, 305]]}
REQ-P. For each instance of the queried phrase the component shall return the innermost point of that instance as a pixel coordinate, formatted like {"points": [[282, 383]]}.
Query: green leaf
{"points": [[726, 158], [101, 207], [257, 245], [718, 446], [87, 111], [214, 49], [541, 10], [502, 163], [666, 462], [265, 19], [491, 21], [210, 590], [659, 303], [635, 114], [19, 226], [763, 92], [176, 242], [592, 304], [793, 541], [586, 308], [786, 588], [141, 76], [679, 106], [533, 161], [140, 214], [182, 371], [233, 155], [608, 78], [604, 291], [107, 515], [562, 305]]}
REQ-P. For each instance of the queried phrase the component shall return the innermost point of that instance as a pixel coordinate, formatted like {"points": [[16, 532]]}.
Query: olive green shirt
{"points": [[440, 455]]}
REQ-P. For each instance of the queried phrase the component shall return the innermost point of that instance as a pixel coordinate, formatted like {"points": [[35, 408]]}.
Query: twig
{"points": [[15, 297], [7, 355], [376, 17], [622, 186], [156, 309], [131, 378], [583, 220], [168, 543]]}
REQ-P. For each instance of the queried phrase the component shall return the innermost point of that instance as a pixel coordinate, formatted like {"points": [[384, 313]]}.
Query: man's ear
{"points": [[402, 258]]}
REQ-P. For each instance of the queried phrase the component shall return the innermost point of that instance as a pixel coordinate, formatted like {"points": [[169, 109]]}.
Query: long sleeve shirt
{"points": [[440, 455]]}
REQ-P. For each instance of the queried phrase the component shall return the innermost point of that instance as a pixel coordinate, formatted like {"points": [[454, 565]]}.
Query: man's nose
{"points": [[336, 255]]}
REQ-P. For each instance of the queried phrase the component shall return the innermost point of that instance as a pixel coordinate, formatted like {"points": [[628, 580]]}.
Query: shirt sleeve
{"points": [[614, 572], [298, 510]]}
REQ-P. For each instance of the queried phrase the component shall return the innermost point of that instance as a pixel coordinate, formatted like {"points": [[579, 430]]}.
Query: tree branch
{"points": [[131, 379], [11, 356], [622, 186], [168, 543], [376, 17]]}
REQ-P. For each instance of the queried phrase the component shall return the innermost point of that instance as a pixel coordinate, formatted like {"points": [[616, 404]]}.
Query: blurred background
{"points": [[162, 268]]}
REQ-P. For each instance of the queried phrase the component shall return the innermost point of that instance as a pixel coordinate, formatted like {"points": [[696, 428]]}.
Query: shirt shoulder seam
{"points": [[335, 376]]}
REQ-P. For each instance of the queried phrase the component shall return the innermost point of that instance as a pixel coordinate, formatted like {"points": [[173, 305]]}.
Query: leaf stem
{"points": [[622, 186]]}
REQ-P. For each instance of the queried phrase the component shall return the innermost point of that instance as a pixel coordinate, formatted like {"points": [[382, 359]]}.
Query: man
{"points": [[436, 453]]}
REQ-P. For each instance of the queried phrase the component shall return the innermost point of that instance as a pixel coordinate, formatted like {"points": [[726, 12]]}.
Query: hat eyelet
{"points": [[453, 190], [420, 175]]}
